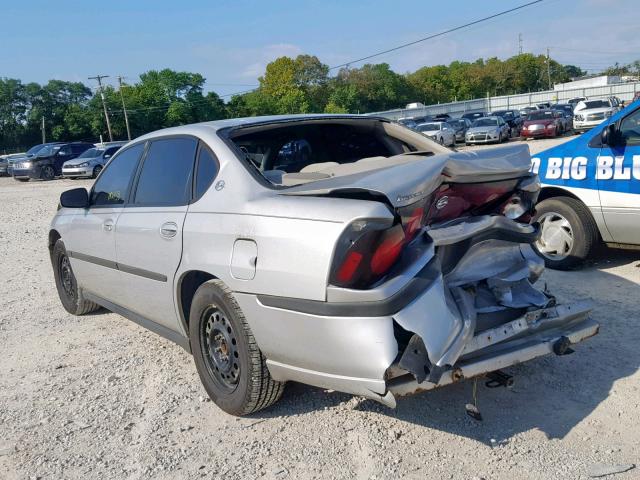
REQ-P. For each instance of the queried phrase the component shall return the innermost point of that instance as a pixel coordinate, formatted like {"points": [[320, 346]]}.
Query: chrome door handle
{"points": [[107, 226], [168, 230]]}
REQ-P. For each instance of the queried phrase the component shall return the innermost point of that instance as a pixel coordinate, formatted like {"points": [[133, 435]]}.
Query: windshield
{"points": [[428, 127], [92, 153], [34, 150], [459, 123], [48, 150], [596, 104], [485, 122]]}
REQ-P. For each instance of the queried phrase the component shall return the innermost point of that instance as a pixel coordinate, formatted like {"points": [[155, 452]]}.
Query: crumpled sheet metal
{"points": [[404, 179]]}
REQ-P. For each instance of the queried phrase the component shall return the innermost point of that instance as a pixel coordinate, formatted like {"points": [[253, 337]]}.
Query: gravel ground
{"points": [[98, 396]]}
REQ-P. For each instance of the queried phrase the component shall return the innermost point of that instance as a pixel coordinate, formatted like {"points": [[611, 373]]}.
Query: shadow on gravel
{"points": [[551, 394]]}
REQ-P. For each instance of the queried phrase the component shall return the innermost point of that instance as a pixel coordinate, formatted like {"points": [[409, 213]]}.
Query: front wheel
{"points": [[96, 171], [47, 173], [569, 232], [231, 367]]}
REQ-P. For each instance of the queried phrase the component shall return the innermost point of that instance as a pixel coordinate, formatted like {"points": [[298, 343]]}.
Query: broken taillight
{"points": [[368, 250]]}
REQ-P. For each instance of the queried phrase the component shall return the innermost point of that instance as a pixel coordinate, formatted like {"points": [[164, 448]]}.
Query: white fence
{"points": [[624, 91]]}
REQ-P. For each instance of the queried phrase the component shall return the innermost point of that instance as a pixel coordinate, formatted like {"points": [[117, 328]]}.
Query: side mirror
{"points": [[75, 198], [608, 134], [107, 156]]}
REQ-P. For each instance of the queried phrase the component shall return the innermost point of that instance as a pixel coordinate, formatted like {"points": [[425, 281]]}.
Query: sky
{"points": [[230, 42]]}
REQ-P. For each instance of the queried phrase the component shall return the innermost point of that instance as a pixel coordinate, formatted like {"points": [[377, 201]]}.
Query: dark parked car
{"points": [[473, 116], [566, 111], [461, 126], [513, 119], [442, 117], [47, 162], [13, 159]]}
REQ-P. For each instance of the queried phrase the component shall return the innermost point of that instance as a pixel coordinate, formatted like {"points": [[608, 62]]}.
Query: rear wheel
{"points": [[230, 364], [47, 173], [569, 232], [70, 295]]}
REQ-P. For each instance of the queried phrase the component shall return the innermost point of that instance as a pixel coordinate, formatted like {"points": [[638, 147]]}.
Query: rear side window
{"points": [[167, 173], [113, 185], [206, 172], [109, 152]]}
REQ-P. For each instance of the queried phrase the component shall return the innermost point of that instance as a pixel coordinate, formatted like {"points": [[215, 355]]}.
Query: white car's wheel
{"points": [[568, 232]]}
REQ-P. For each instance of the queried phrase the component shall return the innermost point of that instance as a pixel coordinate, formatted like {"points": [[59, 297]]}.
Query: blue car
{"points": [[591, 191]]}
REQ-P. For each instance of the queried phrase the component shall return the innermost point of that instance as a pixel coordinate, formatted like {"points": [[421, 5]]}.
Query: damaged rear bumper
{"points": [[468, 307], [535, 334]]}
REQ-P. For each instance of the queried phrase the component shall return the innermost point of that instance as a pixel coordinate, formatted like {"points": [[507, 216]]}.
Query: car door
{"points": [[149, 229], [90, 239], [65, 153], [618, 177]]}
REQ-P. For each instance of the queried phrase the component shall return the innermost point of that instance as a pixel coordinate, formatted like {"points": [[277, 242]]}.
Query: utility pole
{"points": [[548, 68], [104, 104], [519, 44], [124, 108], [44, 135]]}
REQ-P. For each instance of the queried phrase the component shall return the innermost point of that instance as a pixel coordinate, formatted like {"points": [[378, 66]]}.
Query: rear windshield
{"points": [[540, 115], [596, 104], [295, 153]]}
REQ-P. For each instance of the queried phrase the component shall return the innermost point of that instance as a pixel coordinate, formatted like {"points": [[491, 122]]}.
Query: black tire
{"points": [[441, 140], [96, 171], [231, 367], [70, 295], [579, 225], [21, 179], [47, 173]]}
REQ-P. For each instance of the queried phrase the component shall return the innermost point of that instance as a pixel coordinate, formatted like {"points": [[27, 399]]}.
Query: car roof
{"points": [[217, 125]]}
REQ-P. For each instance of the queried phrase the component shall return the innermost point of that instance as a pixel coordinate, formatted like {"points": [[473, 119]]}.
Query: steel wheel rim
{"points": [[220, 348], [556, 239], [66, 276], [97, 170]]}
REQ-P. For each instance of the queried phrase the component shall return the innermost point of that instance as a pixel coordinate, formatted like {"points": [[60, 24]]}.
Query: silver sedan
{"points": [[487, 130], [345, 252]]}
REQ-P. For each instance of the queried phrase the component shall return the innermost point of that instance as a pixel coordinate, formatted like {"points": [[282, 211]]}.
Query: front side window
{"points": [[113, 185], [630, 129], [167, 172]]}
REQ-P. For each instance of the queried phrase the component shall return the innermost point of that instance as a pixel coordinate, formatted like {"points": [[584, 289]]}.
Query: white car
{"points": [[441, 132], [589, 113]]}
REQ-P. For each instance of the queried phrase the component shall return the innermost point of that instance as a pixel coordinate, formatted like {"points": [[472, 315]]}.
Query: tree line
{"points": [[73, 111]]}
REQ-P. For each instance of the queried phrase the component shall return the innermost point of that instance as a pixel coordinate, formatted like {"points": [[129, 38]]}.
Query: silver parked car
{"points": [[90, 162], [487, 130], [441, 132], [377, 263]]}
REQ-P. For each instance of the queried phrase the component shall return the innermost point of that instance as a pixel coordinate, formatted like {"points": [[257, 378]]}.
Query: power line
{"points": [[435, 35]]}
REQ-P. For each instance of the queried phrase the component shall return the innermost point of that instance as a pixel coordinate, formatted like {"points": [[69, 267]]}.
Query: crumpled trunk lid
{"points": [[405, 179]]}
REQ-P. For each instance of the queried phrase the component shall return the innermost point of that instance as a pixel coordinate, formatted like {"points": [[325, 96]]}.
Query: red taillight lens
{"points": [[414, 223], [369, 253], [347, 270], [388, 250]]}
